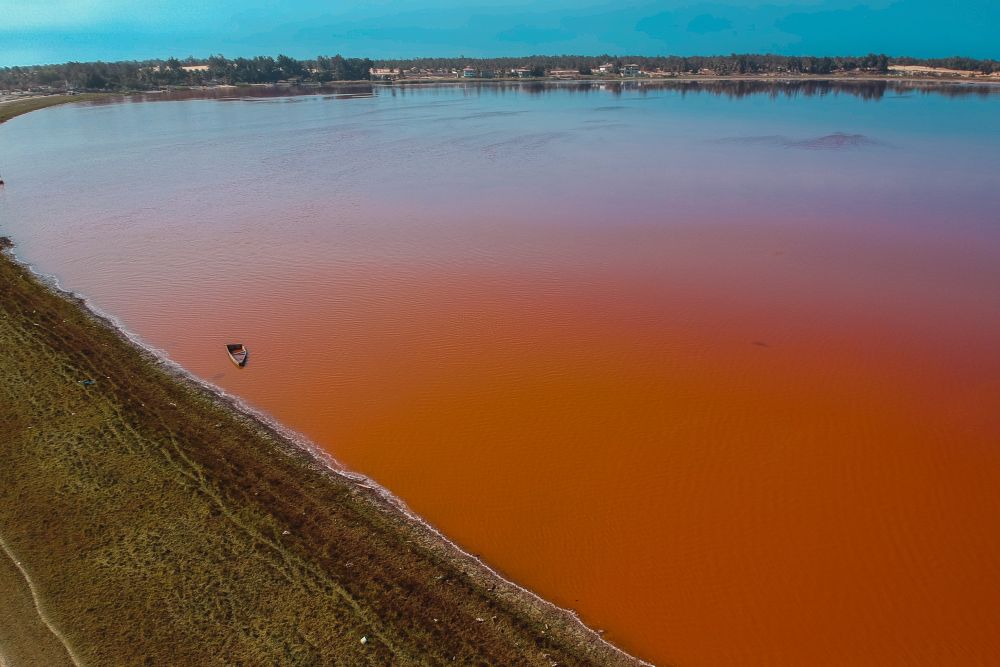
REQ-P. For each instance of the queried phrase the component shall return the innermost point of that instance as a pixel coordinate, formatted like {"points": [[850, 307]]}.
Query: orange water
{"points": [[726, 428]]}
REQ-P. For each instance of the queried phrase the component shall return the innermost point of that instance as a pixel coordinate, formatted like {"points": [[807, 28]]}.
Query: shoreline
{"points": [[266, 437], [31, 101], [11, 108], [297, 444]]}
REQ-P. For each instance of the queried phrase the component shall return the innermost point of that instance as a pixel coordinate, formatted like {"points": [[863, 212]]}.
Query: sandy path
{"points": [[44, 649]]}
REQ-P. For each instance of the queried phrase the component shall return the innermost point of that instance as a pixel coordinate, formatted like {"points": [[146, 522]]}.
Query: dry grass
{"points": [[162, 528]]}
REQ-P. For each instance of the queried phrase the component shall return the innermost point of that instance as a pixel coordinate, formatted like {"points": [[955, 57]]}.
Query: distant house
{"points": [[631, 70], [384, 73], [606, 68], [521, 72], [469, 73]]}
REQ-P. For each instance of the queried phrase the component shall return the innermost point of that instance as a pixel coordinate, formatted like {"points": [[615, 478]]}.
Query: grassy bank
{"points": [[155, 525], [14, 108]]}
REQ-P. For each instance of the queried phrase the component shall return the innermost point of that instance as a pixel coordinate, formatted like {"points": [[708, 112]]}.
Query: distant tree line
{"points": [[721, 65], [153, 74], [955, 62]]}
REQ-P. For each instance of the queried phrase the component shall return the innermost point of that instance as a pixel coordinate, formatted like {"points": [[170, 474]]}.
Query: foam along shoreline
{"points": [[324, 461], [529, 620]]}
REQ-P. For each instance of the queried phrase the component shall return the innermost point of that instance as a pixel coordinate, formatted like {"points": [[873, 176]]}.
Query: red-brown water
{"points": [[720, 374]]}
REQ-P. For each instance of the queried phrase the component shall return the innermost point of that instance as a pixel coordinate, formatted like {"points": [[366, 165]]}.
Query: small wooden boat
{"points": [[238, 353]]}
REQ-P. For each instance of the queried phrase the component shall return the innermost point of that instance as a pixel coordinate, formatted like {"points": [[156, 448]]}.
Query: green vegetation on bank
{"points": [[147, 75], [14, 108], [158, 526], [152, 74]]}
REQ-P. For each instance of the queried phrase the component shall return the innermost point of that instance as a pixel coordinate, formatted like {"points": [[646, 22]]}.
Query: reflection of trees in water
{"points": [[344, 90], [731, 88], [738, 88]]}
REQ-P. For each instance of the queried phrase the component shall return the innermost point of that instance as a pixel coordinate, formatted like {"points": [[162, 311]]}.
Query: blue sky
{"points": [[40, 31]]}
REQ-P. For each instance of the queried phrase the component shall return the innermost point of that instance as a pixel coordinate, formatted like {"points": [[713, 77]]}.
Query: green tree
{"points": [[290, 67]]}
